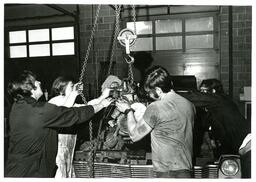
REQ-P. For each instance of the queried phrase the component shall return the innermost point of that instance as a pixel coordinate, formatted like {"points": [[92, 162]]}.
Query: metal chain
{"points": [[88, 52], [90, 159], [93, 148], [134, 18], [117, 28], [130, 73]]}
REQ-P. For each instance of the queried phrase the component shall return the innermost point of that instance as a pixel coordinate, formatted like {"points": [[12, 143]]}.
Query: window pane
{"points": [[199, 41], [18, 51], [38, 35], [63, 49], [168, 26], [63, 33], [199, 24], [168, 43], [17, 36], [142, 44], [39, 50], [142, 27]]}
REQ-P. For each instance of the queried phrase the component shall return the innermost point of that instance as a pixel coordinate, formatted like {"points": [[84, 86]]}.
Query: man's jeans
{"points": [[174, 174]]}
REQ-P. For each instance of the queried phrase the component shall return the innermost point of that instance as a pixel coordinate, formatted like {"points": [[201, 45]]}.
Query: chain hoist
{"points": [[127, 41], [117, 28], [90, 159], [134, 19], [127, 38], [88, 52], [130, 73]]}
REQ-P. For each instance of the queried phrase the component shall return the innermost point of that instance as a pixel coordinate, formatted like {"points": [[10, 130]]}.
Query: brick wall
{"points": [[102, 45], [242, 19]]}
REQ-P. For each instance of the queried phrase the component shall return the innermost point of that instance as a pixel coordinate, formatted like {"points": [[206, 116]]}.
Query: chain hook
{"points": [[131, 59]]}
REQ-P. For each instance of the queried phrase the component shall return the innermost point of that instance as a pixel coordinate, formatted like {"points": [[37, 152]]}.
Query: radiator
{"points": [[142, 171], [198, 172], [81, 169], [110, 170], [210, 171]]}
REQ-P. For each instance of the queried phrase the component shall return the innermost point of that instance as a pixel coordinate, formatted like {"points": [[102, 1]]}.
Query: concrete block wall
{"points": [[242, 20], [102, 45]]}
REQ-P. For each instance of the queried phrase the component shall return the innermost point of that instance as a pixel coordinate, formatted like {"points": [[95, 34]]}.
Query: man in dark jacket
{"points": [[228, 126], [33, 128]]}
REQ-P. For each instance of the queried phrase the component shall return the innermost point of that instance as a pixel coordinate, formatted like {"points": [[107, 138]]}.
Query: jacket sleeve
{"points": [[60, 116], [200, 99]]}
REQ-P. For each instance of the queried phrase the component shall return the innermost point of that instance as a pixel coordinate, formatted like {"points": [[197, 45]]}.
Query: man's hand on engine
{"points": [[105, 93], [122, 105]]}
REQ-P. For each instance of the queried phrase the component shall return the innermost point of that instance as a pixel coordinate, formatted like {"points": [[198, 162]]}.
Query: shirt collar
{"points": [[171, 92]]}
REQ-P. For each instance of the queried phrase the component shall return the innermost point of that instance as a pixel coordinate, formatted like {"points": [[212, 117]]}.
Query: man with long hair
{"points": [[33, 128], [170, 120]]}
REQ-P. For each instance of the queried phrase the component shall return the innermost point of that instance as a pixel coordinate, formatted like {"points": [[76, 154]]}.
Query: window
{"points": [[199, 32], [18, 51], [199, 24], [17, 37], [168, 26], [174, 34], [142, 44], [169, 43], [199, 41], [144, 29], [42, 42]]}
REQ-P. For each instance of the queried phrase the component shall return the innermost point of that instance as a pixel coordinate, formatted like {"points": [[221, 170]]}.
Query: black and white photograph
{"points": [[127, 90]]}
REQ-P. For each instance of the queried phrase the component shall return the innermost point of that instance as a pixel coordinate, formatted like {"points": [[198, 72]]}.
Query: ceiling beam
{"points": [[61, 10]]}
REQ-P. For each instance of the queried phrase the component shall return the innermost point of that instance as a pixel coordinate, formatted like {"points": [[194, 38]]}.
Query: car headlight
{"points": [[229, 167]]}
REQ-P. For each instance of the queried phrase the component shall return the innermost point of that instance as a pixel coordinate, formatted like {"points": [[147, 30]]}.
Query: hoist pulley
{"points": [[127, 38]]}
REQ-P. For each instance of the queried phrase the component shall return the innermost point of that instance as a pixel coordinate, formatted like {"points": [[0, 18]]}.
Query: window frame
{"points": [[183, 33], [50, 42]]}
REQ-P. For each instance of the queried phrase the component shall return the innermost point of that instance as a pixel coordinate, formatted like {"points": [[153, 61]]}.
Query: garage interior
{"points": [[192, 42]]}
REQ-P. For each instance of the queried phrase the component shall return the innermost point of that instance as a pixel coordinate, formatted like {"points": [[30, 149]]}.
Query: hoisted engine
{"points": [[115, 153], [116, 133]]}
